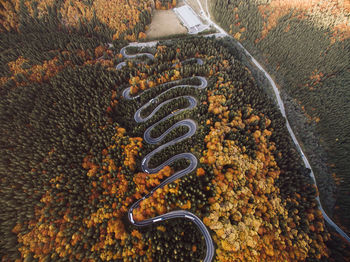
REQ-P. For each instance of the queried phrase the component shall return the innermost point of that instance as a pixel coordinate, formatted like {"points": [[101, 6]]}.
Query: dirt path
{"points": [[164, 23]]}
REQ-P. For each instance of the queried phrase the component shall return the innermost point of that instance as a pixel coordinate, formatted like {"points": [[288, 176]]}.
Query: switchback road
{"points": [[192, 127]]}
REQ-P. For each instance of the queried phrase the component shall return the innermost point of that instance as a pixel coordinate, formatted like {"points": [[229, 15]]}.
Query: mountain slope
{"points": [[305, 45]]}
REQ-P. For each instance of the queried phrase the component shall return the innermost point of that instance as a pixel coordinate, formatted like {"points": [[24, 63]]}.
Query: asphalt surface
{"points": [[123, 52], [223, 33], [305, 160], [192, 127], [120, 65]]}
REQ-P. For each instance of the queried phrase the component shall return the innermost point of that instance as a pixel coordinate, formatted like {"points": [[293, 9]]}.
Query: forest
{"points": [[119, 19], [305, 45], [71, 152]]}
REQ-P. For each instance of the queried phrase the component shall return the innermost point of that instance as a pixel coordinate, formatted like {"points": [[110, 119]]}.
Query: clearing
{"points": [[194, 5], [164, 23]]}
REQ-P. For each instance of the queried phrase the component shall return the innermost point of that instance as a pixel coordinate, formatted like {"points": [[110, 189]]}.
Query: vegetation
{"points": [[70, 154], [120, 19], [165, 4], [305, 45]]}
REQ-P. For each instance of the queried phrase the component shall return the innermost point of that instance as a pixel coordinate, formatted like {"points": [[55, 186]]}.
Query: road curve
{"points": [[204, 83], [282, 109], [123, 52], [120, 65], [192, 127]]}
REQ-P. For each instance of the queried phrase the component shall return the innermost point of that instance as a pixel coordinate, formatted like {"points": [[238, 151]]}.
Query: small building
{"points": [[190, 19]]}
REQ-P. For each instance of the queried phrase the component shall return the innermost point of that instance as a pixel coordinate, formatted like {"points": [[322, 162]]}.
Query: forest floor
{"points": [[164, 23]]}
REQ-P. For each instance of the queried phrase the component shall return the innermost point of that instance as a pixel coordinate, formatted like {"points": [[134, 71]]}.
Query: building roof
{"points": [[188, 16]]}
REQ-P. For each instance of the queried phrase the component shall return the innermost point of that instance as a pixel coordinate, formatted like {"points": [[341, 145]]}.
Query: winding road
{"points": [[282, 109], [123, 52], [192, 127]]}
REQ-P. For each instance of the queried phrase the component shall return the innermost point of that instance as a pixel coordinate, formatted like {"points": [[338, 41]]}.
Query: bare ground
{"points": [[194, 5], [164, 23]]}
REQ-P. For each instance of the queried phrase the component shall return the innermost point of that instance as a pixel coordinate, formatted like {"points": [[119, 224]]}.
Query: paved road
{"points": [[120, 65], [282, 109], [123, 52], [192, 127]]}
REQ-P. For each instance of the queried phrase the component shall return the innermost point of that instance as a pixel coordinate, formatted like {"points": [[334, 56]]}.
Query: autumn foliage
{"points": [[252, 213], [74, 156], [120, 16], [165, 4], [306, 43]]}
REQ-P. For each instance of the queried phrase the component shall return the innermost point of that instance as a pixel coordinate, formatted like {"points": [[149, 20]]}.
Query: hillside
{"points": [[305, 46], [81, 116], [119, 19]]}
